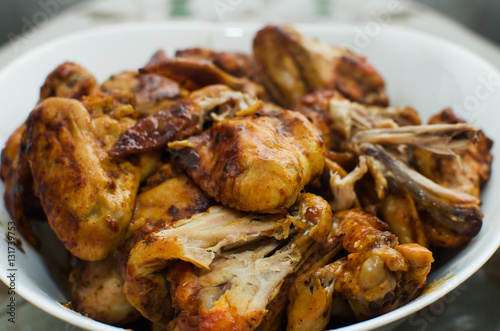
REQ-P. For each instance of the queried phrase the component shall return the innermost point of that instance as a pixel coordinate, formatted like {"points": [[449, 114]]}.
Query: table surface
{"points": [[472, 306]]}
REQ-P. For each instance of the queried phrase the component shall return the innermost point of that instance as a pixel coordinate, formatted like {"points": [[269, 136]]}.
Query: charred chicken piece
{"points": [[182, 119], [291, 65], [257, 163], [69, 80], [194, 73], [455, 210], [151, 92], [236, 64], [88, 198], [377, 276], [237, 264]]}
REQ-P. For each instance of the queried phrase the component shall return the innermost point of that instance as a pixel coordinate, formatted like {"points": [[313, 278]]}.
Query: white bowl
{"points": [[420, 70]]}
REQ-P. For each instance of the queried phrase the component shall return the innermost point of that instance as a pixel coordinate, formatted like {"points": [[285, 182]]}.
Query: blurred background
{"points": [[16, 16]]}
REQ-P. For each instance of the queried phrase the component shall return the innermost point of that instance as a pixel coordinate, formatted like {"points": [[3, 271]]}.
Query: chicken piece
{"points": [[339, 119], [181, 119], [453, 209], [169, 195], [291, 65], [157, 57], [237, 264], [236, 64], [88, 198], [152, 92], [97, 292], [466, 169], [398, 210], [377, 276], [342, 184], [195, 73], [69, 80], [258, 163]]}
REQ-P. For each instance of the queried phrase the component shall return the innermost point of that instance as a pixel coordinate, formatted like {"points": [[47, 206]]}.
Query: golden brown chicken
{"points": [[378, 275], [151, 92], [68, 80], [257, 163], [291, 65], [88, 197], [97, 292], [237, 264], [182, 119]]}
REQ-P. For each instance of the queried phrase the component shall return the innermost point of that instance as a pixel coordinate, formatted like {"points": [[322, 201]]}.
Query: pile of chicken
{"points": [[223, 191]]}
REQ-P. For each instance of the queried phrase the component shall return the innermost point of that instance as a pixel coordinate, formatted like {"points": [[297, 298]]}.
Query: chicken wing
{"points": [[378, 275], [88, 198], [181, 119], [291, 65], [258, 163], [237, 264]]}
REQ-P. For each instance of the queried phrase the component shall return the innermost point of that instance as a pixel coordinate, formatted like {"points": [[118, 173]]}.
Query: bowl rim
{"points": [[399, 314]]}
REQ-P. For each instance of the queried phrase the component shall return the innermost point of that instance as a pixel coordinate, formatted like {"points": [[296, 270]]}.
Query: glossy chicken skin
{"points": [[378, 275], [151, 92], [195, 73], [181, 119], [236, 64], [87, 197], [69, 80], [291, 65], [237, 264], [258, 163]]}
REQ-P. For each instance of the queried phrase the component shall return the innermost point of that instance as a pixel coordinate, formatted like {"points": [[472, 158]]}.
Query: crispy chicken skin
{"points": [[87, 197], [377, 276], [151, 92], [69, 80], [181, 119], [291, 65], [237, 264], [258, 163], [194, 73], [236, 64]]}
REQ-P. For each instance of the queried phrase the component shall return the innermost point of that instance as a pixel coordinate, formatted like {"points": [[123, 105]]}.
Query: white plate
{"points": [[420, 70]]}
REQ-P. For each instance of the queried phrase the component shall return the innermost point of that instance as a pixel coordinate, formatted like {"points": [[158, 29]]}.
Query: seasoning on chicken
{"points": [[236, 64], [87, 196], [151, 92], [291, 65], [257, 163], [182, 119], [195, 73], [377, 276], [237, 264]]}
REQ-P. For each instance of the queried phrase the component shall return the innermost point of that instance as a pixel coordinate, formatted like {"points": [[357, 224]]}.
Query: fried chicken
{"points": [[291, 65], [257, 163], [87, 196]]}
